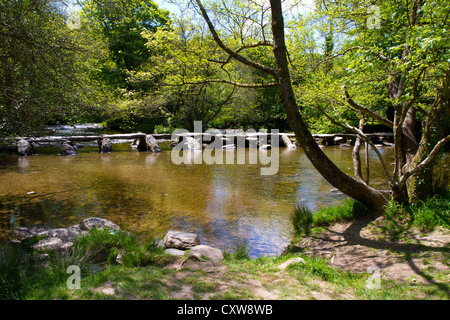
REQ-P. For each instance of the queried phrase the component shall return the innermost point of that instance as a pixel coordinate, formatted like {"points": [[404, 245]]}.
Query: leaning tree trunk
{"points": [[352, 187]]}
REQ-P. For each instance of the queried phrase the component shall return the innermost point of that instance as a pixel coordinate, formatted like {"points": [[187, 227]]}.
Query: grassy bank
{"points": [[118, 265]]}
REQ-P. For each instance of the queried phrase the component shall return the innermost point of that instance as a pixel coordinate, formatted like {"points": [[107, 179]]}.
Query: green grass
{"points": [[240, 252], [22, 277], [350, 210], [425, 215]]}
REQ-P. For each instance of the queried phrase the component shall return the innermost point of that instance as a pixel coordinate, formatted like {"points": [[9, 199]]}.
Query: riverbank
{"points": [[343, 260]]}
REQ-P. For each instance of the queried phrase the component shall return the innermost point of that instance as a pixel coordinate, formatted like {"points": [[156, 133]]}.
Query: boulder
{"points": [[65, 234], [49, 244], [68, 148], [152, 144], [24, 147], [195, 263], [180, 240], [202, 251], [105, 145], [99, 223]]}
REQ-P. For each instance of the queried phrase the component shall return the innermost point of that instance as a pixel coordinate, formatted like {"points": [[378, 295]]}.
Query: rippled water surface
{"points": [[147, 194]]}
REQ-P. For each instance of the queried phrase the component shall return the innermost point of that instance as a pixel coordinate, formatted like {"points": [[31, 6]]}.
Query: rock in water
{"points": [[99, 223], [152, 144], [24, 147], [68, 148], [180, 240], [105, 145]]}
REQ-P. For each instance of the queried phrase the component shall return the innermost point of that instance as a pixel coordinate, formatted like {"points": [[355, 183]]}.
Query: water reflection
{"points": [[148, 194]]}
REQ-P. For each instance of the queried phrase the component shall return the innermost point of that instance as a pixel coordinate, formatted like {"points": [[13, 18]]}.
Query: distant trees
{"points": [[121, 23], [42, 66]]}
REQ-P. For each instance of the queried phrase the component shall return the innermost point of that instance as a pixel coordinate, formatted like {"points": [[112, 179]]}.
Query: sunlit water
{"points": [[147, 194]]}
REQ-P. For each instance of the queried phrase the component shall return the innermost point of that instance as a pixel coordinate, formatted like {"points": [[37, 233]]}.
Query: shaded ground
{"points": [[357, 246]]}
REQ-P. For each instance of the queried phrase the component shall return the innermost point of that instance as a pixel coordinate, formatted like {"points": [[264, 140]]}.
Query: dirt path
{"points": [[359, 245]]}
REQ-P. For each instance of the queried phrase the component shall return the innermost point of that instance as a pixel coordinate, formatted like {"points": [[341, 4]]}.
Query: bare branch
{"points": [[379, 55], [234, 83], [232, 53], [243, 47]]}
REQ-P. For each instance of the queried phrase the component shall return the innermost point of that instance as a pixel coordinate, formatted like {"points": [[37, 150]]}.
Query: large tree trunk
{"points": [[352, 187]]}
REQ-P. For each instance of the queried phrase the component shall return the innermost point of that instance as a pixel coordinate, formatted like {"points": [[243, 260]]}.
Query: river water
{"points": [[148, 194]]}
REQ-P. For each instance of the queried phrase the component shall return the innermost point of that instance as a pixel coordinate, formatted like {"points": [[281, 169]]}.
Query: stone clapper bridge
{"points": [[195, 140]]}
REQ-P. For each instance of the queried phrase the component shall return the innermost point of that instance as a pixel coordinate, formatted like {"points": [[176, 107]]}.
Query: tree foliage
{"points": [[43, 66]]}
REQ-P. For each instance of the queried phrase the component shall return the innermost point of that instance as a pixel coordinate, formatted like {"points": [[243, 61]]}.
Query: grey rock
{"points": [[65, 234], [68, 148], [195, 263], [95, 222], [24, 147], [202, 251], [175, 252], [180, 240], [105, 145], [60, 239], [48, 244]]}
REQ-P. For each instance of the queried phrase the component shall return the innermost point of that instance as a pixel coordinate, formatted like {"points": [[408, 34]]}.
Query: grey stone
{"points": [[95, 222], [68, 148], [202, 251], [60, 238], [65, 234], [24, 147], [49, 244], [105, 145], [180, 240], [175, 252]]}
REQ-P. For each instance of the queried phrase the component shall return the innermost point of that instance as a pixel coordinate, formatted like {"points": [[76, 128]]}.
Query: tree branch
{"points": [[366, 111], [425, 162], [232, 53], [234, 83], [379, 55], [243, 47], [364, 137]]}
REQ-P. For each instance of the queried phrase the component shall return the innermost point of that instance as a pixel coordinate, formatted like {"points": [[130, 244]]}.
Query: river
{"points": [[148, 194]]}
